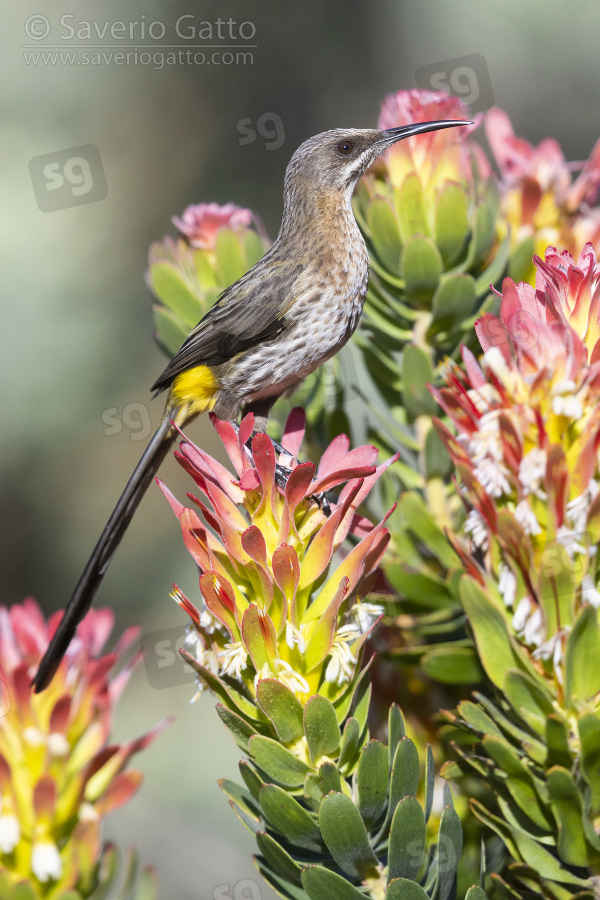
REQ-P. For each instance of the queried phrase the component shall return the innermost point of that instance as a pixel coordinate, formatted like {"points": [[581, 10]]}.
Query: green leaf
{"points": [[453, 301], [277, 762], [404, 780], [410, 208], [321, 728], [582, 662], [449, 851], [528, 695], [567, 806], [372, 781], [323, 884], [285, 813], [496, 650], [282, 707], [419, 519], [451, 222], [523, 847], [417, 373], [344, 832], [452, 665], [170, 332], [350, 742], [407, 840], [519, 263], [476, 893], [485, 232], [421, 270], [239, 727], [230, 262], [329, 778], [173, 291], [384, 234], [589, 734], [278, 858], [403, 889], [396, 730], [519, 781], [254, 247], [437, 460], [282, 886], [251, 778], [429, 782], [557, 742]]}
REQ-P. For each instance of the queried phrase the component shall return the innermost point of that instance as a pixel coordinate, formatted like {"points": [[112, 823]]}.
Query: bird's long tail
{"points": [[99, 561]]}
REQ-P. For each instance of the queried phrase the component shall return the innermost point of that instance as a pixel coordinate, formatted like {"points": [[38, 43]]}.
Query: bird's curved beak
{"points": [[391, 135]]}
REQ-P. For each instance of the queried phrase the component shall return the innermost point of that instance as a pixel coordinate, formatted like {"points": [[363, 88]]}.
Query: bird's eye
{"points": [[345, 148]]}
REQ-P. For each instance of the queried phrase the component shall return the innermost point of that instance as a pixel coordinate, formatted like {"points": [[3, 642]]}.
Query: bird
{"points": [[292, 311]]}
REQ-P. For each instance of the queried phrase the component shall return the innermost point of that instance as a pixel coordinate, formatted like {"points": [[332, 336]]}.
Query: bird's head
{"points": [[334, 160]]}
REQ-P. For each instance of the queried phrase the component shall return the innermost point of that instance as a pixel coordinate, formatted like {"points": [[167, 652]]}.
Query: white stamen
{"points": [[525, 516], [46, 863], [507, 584]]}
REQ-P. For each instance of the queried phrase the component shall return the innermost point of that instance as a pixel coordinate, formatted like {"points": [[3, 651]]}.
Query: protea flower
{"points": [[59, 775], [528, 426], [542, 203], [187, 275], [271, 608]]}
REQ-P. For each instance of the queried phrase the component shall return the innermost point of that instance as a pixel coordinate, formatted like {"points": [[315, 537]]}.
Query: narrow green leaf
{"points": [[372, 781], [396, 730], [476, 893], [240, 797], [329, 778], [405, 774], [278, 858], [449, 851], [283, 887], [421, 269], [417, 373], [350, 742], [453, 301], [344, 832], [239, 727], [410, 208], [451, 222], [286, 814], [567, 805], [589, 734], [418, 517], [229, 257], [452, 665], [384, 234], [171, 289], [403, 889], [282, 707], [407, 840], [277, 762], [582, 663], [557, 743], [429, 782], [323, 884], [496, 651], [170, 332], [251, 778], [321, 728]]}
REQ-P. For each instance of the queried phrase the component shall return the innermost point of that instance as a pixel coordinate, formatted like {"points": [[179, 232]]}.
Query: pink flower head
{"points": [[202, 222], [540, 198], [444, 153], [59, 773], [271, 606], [526, 450]]}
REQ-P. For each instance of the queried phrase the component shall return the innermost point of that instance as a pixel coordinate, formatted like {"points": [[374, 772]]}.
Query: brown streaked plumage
{"points": [[292, 311]]}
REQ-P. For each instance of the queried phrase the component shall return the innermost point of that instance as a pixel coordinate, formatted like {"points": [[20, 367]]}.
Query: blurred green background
{"points": [[76, 342]]}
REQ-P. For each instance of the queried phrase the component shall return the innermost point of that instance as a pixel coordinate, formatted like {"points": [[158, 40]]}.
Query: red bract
{"points": [[58, 773], [271, 606]]}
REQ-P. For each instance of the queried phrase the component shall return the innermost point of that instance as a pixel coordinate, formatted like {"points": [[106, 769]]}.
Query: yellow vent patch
{"points": [[195, 388]]}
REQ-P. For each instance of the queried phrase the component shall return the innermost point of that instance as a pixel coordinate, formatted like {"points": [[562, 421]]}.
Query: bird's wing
{"points": [[247, 313]]}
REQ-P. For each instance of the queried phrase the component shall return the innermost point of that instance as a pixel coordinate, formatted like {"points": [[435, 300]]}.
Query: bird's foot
{"points": [[282, 474]]}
